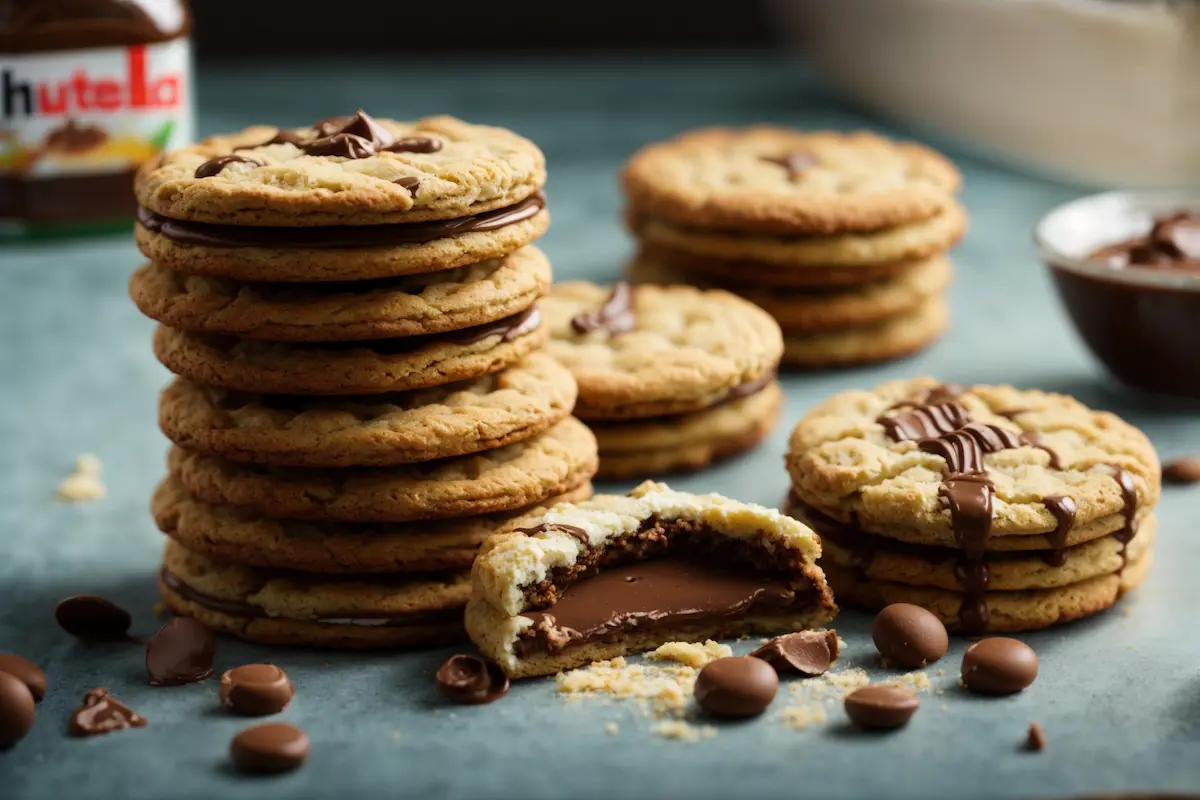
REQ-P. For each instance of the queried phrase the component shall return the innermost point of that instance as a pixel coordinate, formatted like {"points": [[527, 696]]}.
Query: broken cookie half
{"points": [[624, 574]]}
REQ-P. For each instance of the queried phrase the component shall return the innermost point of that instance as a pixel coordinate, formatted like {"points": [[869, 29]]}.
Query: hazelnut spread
{"points": [[89, 90], [1173, 243]]}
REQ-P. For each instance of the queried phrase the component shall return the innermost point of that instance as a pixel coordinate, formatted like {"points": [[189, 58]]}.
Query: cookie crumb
{"points": [[814, 695], [84, 485], [681, 731], [691, 654], [799, 717], [665, 689], [612, 729], [1035, 740]]}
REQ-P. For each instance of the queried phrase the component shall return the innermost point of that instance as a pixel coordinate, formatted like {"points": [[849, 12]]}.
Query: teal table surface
{"points": [[1118, 695]]}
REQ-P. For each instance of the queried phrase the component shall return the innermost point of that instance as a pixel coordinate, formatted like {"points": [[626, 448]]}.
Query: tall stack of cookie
{"points": [[361, 398], [841, 237], [996, 509]]}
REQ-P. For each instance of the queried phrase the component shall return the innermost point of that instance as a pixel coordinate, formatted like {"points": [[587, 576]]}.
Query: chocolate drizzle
{"points": [[924, 421], [214, 166], [615, 316], [1033, 440], [1129, 495], [963, 449], [1063, 508]]}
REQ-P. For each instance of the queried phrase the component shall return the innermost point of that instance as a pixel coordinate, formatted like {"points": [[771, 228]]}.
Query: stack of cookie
{"points": [[841, 237], [361, 398], [996, 509], [670, 377]]}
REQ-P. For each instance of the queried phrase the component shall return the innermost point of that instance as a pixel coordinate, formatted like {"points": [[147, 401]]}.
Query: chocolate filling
{"points": [[742, 390], [238, 608], [662, 577], [337, 237]]}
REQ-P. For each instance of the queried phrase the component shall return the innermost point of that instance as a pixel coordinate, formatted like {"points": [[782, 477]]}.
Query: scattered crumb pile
{"points": [[84, 484], [684, 731], [814, 696]]}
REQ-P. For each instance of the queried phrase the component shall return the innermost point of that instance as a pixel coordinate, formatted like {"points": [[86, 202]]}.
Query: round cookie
{"points": [[778, 181], [370, 367], [276, 607], [755, 275], [897, 336], [912, 242], [1008, 612], [348, 171], [372, 430], [415, 305], [689, 441], [228, 534], [796, 311], [668, 350], [852, 457], [1014, 570], [523, 474]]}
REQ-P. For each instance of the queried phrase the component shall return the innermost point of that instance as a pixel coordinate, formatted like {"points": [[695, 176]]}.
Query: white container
{"points": [[1105, 92]]}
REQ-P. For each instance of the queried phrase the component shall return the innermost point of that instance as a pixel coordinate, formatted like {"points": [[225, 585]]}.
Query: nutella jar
{"points": [[89, 90]]}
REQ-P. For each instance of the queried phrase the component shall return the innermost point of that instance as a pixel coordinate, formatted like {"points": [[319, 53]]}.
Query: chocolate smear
{"points": [[342, 145], [615, 316], [214, 166], [571, 530], [414, 144]]}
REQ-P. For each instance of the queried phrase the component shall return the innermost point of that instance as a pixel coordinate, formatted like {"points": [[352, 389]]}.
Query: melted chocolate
{"points": [[1173, 243], [214, 166], [337, 237], [924, 421], [1129, 511], [650, 595], [963, 449], [1063, 508], [414, 144], [615, 316], [571, 530], [796, 163], [508, 329], [1033, 440]]}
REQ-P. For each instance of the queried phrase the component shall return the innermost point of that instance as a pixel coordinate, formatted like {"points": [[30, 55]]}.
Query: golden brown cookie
{"points": [[294, 608], [225, 533], [523, 474], [372, 430], [779, 181], [644, 448], [415, 305], [901, 335], [370, 367], [740, 275], [650, 351]]}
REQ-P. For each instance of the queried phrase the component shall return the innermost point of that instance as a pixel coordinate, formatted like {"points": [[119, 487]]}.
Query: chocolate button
{"points": [[1182, 470], [17, 710], [181, 652], [26, 672], [256, 690], [271, 748], [999, 666], [804, 652], [882, 707], [87, 616], [909, 635], [734, 687], [469, 680]]}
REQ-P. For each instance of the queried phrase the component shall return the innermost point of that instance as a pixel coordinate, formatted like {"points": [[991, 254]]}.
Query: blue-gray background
{"points": [[1119, 696]]}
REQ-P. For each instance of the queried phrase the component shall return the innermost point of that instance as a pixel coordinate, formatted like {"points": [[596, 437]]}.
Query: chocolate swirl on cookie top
{"points": [[615, 316]]}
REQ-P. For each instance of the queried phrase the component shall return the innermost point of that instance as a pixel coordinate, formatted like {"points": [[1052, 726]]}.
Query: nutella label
{"points": [[103, 110]]}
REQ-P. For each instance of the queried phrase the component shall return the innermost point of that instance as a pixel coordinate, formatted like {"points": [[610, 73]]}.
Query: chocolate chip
{"points": [[796, 164], [1035, 739], [17, 710], [344, 145], [736, 687], [805, 652], [408, 183], [882, 707], [214, 166], [615, 316], [102, 713], [256, 690], [364, 126], [1182, 470], [471, 681], [271, 748], [999, 665], [87, 616], [181, 652], [909, 635], [415, 144], [26, 672]]}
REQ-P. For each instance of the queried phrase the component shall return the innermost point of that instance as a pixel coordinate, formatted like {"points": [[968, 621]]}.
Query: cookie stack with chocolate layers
{"points": [[670, 377], [996, 509], [840, 236], [362, 396]]}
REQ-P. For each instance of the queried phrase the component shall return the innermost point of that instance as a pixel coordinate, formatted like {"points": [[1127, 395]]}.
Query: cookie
{"points": [[344, 171], [814, 310], [778, 181], [519, 475], [415, 305], [743, 275], [1007, 612], [229, 534], [293, 608], [641, 448], [370, 367], [372, 430], [650, 351], [897, 336], [623, 574], [912, 242]]}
